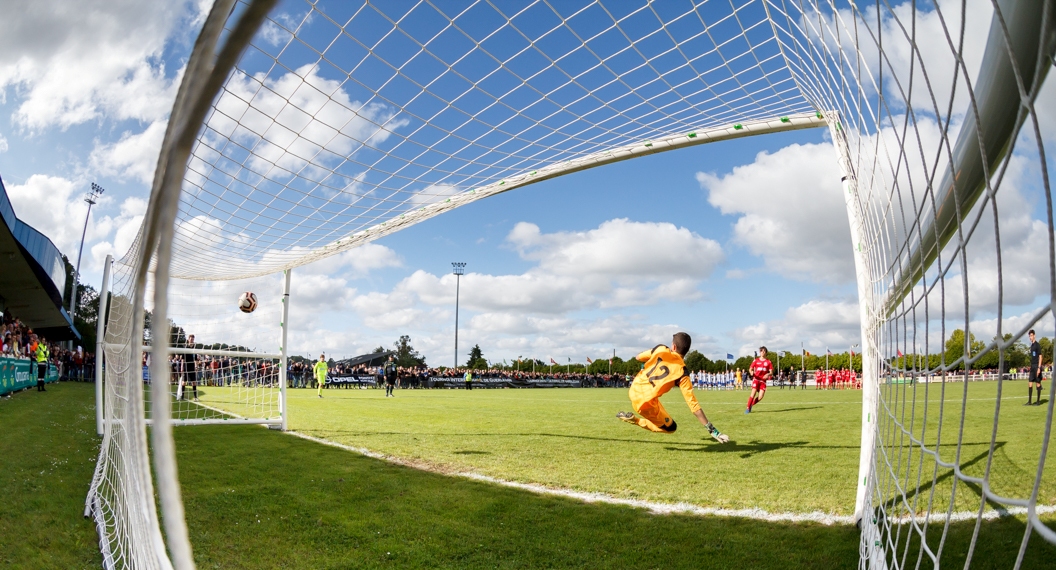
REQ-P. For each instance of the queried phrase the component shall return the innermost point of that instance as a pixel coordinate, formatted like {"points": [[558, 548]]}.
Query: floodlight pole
{"points": [[90, 198], [459, 269]]}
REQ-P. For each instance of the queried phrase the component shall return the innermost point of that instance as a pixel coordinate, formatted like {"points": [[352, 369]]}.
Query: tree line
{"points": [[1015, 356]]}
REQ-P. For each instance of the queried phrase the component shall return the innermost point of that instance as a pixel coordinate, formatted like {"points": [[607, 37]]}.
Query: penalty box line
{"points": [[680, 508]]}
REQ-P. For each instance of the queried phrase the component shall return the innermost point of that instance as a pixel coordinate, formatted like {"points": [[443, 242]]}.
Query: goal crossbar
{"points": [[212, 352]]}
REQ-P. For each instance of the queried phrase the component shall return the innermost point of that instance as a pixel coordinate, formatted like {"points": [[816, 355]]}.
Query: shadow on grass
{"points": [[644, 438], [385, 515], [745, 449], [754, 448], [471, 452], [349, 433], [923, 489], [765, 411]]}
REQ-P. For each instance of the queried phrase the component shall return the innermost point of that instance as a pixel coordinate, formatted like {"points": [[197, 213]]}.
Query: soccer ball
{"points": [[247, 302]]}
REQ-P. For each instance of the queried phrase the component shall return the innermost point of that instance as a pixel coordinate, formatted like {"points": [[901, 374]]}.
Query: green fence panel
{"points": [[18, 374]]}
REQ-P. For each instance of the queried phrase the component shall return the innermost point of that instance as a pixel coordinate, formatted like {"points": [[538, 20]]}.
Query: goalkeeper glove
{"points": [[715, 433]]}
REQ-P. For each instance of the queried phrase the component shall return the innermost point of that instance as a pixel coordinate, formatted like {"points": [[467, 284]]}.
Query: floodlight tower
{"points": [[90, 198], [459, 269]]}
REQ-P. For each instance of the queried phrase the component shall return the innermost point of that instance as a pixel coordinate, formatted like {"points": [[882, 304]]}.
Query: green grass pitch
{"points": [[262, 499], [796, 452]]}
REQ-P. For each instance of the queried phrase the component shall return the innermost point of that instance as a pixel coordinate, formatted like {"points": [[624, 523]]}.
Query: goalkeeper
{"points": [[664, 369]]}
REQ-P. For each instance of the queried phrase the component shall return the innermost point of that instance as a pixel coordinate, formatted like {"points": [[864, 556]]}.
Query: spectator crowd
{"points": [[19, 341]]}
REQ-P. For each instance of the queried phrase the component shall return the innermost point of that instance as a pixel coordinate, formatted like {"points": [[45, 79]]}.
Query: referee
{"points": [[1035, 369], [390, 377], [190, 368]]}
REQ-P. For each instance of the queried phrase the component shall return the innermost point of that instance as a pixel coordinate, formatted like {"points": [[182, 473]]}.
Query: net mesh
{"points": [[341, 122]]}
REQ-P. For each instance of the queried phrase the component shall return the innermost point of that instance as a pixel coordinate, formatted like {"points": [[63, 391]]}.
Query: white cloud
{"points": [[620, 248], [74, 63], [985, 329], [906, 58], [3, 144], [791, 211], [53, 206], [618, 265], [528, 292], [127, 224], [135, 156], [208, 309], [818, 324], [277, 29], [368, 257], [433, 193], [297, 123], [564, 337]]}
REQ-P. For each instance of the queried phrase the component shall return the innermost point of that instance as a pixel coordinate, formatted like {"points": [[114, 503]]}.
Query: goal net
{"points": [[225, 365], [305, 130]]}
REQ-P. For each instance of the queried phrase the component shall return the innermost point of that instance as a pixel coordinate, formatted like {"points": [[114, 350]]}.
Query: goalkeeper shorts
{"points": [[654, 412]]}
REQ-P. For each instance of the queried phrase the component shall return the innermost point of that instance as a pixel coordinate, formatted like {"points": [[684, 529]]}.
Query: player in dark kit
{"points": [[1034, 382], [390, 377], [190, 369], [761, 371]]}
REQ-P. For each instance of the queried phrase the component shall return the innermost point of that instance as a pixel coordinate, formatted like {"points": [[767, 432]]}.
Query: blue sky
{"points": [[749, 237]]}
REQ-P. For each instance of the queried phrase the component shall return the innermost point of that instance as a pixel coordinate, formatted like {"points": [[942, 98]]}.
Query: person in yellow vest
{"points": [[41, 354], [739, 380], [664, 369], [469, 379], [320, 370]]}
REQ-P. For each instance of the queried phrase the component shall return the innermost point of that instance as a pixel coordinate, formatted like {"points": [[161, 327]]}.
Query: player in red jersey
{"points": [[761, 371]]}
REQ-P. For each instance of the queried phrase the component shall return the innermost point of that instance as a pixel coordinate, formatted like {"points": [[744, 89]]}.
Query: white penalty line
{"points": [[962, 516]]}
